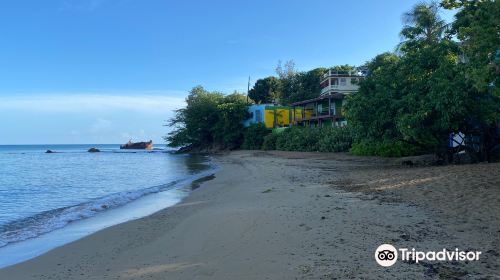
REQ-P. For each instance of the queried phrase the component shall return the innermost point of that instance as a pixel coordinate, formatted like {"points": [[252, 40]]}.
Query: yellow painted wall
{"points": [[309, 114], [298, 114], [282, 116], [269, 118]]}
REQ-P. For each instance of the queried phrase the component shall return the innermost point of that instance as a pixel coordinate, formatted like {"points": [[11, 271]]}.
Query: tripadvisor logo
{"points": [[387, 255]]}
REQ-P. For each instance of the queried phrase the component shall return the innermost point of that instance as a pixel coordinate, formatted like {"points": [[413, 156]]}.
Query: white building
{"points": [[344, 82]]}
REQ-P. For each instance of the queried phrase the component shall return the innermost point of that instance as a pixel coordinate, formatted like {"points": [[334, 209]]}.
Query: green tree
{"points": [[416, 98], [228, 130], [297, 86], [307, 85], [235, 97], [371, 112], [265, 90], [288, 80], [434, 97], [477, 26], [193, 125], [423, 24], [209, 120], [343, 68]]}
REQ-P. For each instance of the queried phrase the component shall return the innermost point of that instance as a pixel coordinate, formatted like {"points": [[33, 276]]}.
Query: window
{"points": [[258, 116], [342, 81], [332, 108], [334, 81], [354, 81]]}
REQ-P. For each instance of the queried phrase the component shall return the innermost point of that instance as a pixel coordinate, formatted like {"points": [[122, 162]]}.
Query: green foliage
{"points": [[477, 25], [434, 96], [269, 142], [298, 139], [210, 119], [254, 136], [409, 103], [385, 148], [298, 86], [228, 130], [417, 98], [343, 68], [290, 86], [423, 24], [303, 86], [306, 139], [335, 139], [371, 112], [453, 4], [194, 124], [265, 90]]}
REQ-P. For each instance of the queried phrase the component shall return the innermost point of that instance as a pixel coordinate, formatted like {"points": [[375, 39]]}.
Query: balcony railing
{"points": [[328, 88], [340, 88], [353, 73]]}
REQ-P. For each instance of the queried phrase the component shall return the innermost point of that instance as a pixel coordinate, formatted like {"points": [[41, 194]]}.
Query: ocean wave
{"points": [[51, 220]]}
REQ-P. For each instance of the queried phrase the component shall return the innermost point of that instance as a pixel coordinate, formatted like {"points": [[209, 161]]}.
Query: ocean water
{"points": [[41, 193]]}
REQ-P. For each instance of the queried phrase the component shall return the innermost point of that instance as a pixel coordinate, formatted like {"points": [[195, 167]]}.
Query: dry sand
{"points": [[288, 215]]}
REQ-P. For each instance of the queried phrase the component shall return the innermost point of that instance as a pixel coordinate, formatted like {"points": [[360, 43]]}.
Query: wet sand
{"points": [[283, 215]]}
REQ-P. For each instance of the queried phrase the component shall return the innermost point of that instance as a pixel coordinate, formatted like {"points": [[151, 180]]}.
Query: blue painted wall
{"points": [[257, 114]]}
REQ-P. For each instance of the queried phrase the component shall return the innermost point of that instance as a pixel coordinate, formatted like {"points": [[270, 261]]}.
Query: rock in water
{"points": [[49, 152], [93, 150]]}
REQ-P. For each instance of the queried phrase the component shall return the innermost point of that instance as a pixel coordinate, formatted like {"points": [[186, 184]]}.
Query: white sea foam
{"points": [[48, 221]]}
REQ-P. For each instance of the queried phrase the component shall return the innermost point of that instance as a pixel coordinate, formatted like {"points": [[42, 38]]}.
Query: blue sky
{"points": [[106, 71]]}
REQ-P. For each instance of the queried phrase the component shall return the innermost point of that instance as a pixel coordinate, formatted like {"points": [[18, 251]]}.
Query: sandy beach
{"points": [[288, 215]]}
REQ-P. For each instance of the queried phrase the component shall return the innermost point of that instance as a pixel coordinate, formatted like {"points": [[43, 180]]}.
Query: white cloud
{"points": [[100, 125], [149, 104], [87, 118]]}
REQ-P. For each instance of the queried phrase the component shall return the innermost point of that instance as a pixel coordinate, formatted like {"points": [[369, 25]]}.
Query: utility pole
{"points": [[248, 87]]}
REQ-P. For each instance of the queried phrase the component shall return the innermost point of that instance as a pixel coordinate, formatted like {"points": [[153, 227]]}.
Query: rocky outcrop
{"points": [[93, 150]]}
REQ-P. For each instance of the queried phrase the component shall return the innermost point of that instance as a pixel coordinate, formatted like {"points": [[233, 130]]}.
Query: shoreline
{"points": [[286, 215], [143, 206]]}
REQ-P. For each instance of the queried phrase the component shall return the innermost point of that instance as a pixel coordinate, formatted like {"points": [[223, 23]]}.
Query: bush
{"points": [[386, 148], [298, 139], [338, 139], [307, 139], [269, 142], [254, 136]]}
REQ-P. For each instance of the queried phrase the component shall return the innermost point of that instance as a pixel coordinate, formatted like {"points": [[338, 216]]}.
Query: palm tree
{"points": [[423, 24]]}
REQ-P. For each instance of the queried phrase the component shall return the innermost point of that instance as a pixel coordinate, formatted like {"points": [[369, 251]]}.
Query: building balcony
{"points": [[358, 72], [338, 88], [326, 108], [329, 88]]}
